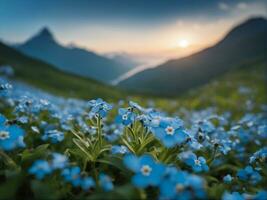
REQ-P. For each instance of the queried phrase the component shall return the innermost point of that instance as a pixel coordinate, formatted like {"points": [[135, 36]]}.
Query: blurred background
{"points": [[117, 48]]}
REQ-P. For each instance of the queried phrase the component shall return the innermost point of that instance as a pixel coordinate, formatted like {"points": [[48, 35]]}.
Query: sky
{"points": [[152, 29]]}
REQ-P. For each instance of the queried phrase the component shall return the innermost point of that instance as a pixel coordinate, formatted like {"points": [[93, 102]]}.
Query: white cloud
{"points": [[242, 6], [223, 6]]}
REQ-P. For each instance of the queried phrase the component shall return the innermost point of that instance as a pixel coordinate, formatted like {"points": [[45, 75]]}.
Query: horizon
{"points": [[144, 35]]}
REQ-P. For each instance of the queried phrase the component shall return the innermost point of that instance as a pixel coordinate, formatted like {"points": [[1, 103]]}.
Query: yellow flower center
{"points": [[125, 117], [146, 170], [197, 162], [169, 130], [179, 187]]}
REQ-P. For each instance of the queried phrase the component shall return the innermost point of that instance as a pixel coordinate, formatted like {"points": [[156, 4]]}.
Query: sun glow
{"points": [[183, 43]]}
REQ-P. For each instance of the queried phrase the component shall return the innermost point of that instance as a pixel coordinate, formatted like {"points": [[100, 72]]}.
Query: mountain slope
{"points": [[47, 77], [72, 59], [243, 44]]}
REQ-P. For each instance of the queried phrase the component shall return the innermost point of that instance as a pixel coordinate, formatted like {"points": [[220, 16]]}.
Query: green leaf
{"points": [[147, 141], [86, 143], [127, 192], [31, 155], [216, 191], [104, 149], [43, 190], [9, 188], [211, 179], [226, 167], [9, 162], [115, 162], [83, 148], [128, 145]]}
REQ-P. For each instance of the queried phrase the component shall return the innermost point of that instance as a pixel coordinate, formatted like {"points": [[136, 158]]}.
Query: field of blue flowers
{"points": [[59, 148]]}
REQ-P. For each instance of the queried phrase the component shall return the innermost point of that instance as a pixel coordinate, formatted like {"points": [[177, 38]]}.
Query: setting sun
{"points": [[183, 43]]}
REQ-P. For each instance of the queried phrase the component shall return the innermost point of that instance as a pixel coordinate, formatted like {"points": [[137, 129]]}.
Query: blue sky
{"points": [[136, 26], [145, 11]]}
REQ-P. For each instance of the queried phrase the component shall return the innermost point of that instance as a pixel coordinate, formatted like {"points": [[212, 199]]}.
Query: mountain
{"points": [[72, 59], [125, 59], [245, 43], [45, 76]]}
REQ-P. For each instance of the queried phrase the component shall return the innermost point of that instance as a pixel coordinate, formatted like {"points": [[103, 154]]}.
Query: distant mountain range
{"points": [[47, 77], [73, 59], [245, 43]]}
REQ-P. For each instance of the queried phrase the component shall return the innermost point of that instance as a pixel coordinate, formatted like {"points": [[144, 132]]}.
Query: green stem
{"points": [[85, 165], [163, 154], [99, 130], [95, 174]]}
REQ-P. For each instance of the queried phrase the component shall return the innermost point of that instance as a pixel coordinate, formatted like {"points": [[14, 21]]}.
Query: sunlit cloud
{"points": [[223, 6]]}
